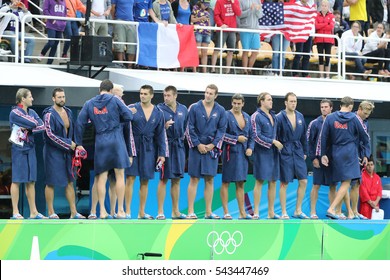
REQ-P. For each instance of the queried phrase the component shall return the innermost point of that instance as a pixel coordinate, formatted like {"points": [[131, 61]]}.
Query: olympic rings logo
{"points": [[224, 242]]}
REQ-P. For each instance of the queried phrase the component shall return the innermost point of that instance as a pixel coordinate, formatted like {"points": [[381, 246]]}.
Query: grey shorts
{"points": [[125, 34]]}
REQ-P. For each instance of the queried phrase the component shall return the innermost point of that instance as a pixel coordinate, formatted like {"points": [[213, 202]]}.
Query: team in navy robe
{"points": [[105, 111], [57, 151], [175, 163], [204, 130], [150, 142], [24, 161], [234, 160], [292, 160], [266, 155], [322, 175], [343, 131]]}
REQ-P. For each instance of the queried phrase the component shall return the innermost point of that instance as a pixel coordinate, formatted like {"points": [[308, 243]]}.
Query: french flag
{"points": [[169, 46]]}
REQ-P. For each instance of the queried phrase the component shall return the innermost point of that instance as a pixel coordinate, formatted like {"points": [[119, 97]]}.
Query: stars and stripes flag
{"points": [[296, 22]]}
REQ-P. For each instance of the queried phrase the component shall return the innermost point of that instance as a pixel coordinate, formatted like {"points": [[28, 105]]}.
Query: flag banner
{"points": [[17, 136], [169, 46], [296, 22]]}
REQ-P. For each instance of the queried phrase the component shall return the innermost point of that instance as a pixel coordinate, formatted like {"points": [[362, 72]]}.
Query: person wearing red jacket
{"points": [[225, 16], [324, 25], [370, 190]]}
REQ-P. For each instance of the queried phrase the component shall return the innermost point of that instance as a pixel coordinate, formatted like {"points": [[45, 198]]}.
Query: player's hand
{"points": [[161, 159], [202, 149], [316, 163], [242, 139], [169, 123], [131, 161], [278, 144], [325, 160], [248, 152]]}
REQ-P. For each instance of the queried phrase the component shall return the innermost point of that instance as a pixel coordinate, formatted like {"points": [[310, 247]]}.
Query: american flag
{"points": [[296, 22]]}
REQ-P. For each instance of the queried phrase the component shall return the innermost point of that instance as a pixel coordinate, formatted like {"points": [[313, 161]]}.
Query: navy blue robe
{"points": [[265, 154], [150, 142], [106, 112], [234, 160], [175, 163], [292, 161], [57, 152], [24, 160], [204, 130], [342, 132]]}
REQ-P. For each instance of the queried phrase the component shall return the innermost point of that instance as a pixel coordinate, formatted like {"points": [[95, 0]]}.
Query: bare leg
{"points": [[143, 194], [240, 194], [30, 193], [94, 197], [300, 196], [175, 194], [257, 197], [120, 191], [208, 193], [161, 193], [113, 197], [191, 192], [129, 193], [229, 59], [101, 180], [283, 197], [225, 197], [71, 197], [354, 194], [313, 199], [15, 198], [339, 196], [245, 61], [49, 195], [271, 198]]}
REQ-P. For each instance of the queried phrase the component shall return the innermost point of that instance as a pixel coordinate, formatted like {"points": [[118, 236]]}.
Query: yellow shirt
{"points": [[358, 11]]}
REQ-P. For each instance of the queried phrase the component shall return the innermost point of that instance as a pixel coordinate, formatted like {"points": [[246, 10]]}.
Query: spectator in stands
{"points": [[72, 27], [357, 12], [338, 6], [304, 47], [353, 48], [225, 16], [375, 47], [19, 9], [54, 27], [324, 25], [164, 12], [201, 17], [143, 9], [279, 43], [376, 10], [124, 33], [251, 12], [182, 11], [331, 5], [370, 190], [341, 25], [102, 7]]}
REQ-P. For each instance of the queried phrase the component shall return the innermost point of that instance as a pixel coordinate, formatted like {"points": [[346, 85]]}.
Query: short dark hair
{"points": [[336, 12], [149, 88], [214, 87], [238, 96], [106, 85], [57, 90], [288, 95], [327, 101], [171, 88], [346, 101]]}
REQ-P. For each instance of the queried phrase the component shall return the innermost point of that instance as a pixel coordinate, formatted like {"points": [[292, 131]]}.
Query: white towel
{"points": [[377, 215]]}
